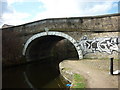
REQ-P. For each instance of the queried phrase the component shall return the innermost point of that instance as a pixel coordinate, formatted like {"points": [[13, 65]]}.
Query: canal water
{"points": [[33, 75]]}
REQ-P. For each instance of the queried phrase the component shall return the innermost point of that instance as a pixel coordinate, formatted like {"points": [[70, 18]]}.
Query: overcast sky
{"points": [[16, 12]]}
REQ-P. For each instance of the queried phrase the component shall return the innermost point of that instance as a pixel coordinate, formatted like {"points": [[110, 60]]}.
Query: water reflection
{"points": [[34, 75]]}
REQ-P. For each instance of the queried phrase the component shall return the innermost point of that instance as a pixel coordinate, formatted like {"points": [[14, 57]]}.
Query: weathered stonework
{"points": [[73, 29], [54, 34], [103, 45], [66, 72]]}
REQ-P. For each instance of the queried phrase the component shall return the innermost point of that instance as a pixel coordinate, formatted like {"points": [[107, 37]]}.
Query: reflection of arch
{"points": [[73, 41]]}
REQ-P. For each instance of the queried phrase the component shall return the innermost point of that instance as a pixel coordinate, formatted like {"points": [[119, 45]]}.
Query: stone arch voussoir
{"points": [[61, 34]]}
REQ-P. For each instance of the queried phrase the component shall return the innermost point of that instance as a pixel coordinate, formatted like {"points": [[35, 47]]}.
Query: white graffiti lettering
{"points": [[106, 44]]}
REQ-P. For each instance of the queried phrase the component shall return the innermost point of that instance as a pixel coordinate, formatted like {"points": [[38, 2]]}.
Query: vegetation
{"points": [[79, 81]]}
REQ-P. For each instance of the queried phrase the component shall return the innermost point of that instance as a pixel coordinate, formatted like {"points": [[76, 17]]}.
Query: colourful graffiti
{"points": [[106, 44]]}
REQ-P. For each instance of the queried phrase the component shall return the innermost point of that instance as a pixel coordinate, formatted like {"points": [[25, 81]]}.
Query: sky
{"points": [[17, 12]]}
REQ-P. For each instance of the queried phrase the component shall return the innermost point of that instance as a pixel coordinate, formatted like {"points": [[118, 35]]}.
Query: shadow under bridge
{"points": [[50, 46]]}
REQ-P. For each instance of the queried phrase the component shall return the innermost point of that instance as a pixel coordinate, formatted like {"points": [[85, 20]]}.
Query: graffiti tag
{"points": [[106, 44]]}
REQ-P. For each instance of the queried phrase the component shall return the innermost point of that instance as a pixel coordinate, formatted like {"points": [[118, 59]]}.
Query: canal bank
{"points": [[95, 72]]}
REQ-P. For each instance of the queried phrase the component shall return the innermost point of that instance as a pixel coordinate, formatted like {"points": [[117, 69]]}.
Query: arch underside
{"points": [[53, 33]]}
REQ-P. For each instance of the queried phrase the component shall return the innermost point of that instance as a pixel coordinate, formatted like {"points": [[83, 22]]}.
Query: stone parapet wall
{"points": [[93, 23], [90, 23]]}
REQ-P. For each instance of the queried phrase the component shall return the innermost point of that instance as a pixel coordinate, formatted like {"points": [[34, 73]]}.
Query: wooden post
{"points": [[111, 66]]}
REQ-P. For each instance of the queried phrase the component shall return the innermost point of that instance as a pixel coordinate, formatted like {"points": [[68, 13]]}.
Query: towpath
{"points": [[96, 72]]}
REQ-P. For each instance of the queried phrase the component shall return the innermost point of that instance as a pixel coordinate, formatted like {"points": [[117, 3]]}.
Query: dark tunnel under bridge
{"points": [[50, 46]]}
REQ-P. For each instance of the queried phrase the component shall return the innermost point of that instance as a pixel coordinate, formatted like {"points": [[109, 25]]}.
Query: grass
{"points": [[79, 81]]}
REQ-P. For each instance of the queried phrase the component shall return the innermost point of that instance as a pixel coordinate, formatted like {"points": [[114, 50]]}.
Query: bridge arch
{"points": [[54, 33]]}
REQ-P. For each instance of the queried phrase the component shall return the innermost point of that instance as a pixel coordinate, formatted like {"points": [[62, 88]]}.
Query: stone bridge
{"points": [[74, 37]]}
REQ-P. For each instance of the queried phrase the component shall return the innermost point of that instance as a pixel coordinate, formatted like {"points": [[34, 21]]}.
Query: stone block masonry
{"points": [[104, 45], [92, 36]]}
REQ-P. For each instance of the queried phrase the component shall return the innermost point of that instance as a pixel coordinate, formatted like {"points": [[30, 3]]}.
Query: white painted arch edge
{"points": [[61, 34]]}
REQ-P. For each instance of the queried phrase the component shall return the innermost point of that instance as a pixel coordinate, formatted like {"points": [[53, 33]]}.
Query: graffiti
{"points": [[106, 44]]}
